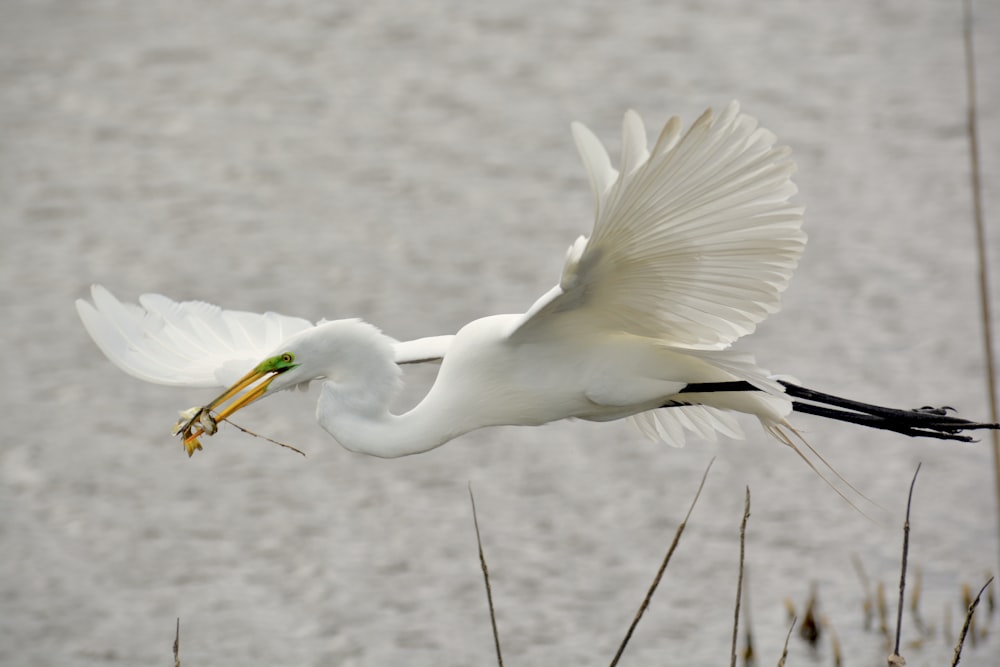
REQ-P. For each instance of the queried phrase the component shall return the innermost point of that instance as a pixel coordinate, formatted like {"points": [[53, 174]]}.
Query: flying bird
{"points": [[693, 243]]}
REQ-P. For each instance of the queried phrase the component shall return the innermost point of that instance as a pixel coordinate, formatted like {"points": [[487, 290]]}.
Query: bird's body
{"points": [[486, 379], [693, 243]]}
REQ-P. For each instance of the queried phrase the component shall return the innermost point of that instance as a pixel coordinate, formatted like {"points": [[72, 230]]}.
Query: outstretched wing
{"points": [[692, 243], [191, 343], [196, 344]]}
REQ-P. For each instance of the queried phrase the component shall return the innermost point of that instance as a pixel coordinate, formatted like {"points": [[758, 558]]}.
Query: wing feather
{"points": [[196, 344], [692, 243], [595, 161], [670, 424], [189, 343], [634, 152]]}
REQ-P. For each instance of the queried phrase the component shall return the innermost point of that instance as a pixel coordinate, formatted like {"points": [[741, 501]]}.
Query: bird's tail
{"points": [[709, 413], [773, 411]]}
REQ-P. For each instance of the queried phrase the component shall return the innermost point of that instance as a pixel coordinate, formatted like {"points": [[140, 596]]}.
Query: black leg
{"points": [[925, 422]]}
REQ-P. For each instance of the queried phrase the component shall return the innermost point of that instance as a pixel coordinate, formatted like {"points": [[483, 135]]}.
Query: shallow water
{"points": [[412, 165]]}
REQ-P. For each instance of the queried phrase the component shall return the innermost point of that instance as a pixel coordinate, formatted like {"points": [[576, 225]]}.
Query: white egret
{"points": [[692, 245]]}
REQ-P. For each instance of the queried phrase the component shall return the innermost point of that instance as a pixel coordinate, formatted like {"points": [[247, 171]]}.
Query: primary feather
{"points": [[692, 244]]}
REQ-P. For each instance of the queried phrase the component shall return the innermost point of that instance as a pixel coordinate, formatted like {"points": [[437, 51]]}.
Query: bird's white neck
{"points": [[358, 365], [359, 419]]}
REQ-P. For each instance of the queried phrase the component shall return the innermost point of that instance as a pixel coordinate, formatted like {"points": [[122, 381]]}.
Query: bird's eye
{"points": [[287, 357]]}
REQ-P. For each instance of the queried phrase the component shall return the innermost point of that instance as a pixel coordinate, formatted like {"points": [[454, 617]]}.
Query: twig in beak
{"points": [[258, 435]]}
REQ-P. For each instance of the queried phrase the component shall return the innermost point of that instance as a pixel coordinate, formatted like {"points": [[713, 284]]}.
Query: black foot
{"points": [[943, 410]]}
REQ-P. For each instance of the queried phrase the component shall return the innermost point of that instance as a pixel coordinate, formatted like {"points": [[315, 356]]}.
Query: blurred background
{"points": [[411, 164]]}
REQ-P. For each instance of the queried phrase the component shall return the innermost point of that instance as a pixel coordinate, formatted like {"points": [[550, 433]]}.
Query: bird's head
{"points": [[351, 352]]}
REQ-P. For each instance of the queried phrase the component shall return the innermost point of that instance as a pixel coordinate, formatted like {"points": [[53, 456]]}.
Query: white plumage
{"points": [[691, 247]]}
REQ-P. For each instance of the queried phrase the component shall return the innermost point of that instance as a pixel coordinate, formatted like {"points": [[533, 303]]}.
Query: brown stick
{"points": [[985, 313], [784, 651], [177, 643], [739, 580], [258, 435], [486, 577], [663, 567], [902, 569], [968, 622]]}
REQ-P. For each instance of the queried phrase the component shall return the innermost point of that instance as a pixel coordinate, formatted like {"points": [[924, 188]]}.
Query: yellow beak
{"points": [[247, 398]]}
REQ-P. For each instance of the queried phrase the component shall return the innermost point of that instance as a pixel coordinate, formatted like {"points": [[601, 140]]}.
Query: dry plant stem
{"points": [[784, 651], [883, 613], [739, 580], [258, 435], [663, 567], [486, 577], [915, 589], [749, 657], [986, 315], [867, 605], [991, 602], [177, 644], [810, 629], [748, 651], [967, 602], [902, 573], [968, 622], [838, 654]]}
